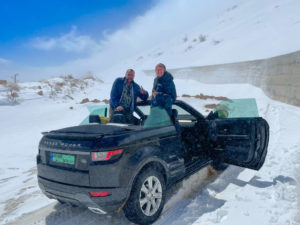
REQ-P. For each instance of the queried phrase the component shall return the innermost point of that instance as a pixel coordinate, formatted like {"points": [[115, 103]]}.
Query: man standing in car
{"points": [[124, 95], [164, 91]]}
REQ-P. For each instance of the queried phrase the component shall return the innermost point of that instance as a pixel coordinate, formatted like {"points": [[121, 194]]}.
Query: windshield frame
{"points": [[178, 103]]}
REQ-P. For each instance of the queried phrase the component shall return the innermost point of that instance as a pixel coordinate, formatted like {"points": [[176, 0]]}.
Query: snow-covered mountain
{"points": [[187, 33], [192, 33], [231, 31]]}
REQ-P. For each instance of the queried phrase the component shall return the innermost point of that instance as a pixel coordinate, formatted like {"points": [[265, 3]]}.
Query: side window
{"points": [[183, 115], [158, 117], [180, 110]]}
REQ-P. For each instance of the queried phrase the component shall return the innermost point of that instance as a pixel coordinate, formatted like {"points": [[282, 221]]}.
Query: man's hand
{"points": [[143, 91], [154, 93], [120, 108]]}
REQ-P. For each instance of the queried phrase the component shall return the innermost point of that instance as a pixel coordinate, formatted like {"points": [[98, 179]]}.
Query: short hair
{"points": [[161, 65], [130, 70]]}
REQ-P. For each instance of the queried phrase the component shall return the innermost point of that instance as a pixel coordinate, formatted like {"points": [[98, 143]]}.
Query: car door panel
{"points": [[239, 141]]}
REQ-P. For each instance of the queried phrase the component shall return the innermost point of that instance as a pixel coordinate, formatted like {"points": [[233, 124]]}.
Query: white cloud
{"points": [[69, 42], [4, 61], [169, 18], [163, 28]]}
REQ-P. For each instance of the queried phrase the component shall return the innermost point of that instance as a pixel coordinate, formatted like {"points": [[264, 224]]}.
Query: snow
{"points": [[235, 30], [238, 195], [267, 196]]}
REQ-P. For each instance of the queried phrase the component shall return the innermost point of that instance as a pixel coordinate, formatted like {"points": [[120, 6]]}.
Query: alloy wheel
{"points": [[150, 196]]}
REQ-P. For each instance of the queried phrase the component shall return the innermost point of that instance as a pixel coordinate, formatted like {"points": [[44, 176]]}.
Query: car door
{"points": [[239, 141]]}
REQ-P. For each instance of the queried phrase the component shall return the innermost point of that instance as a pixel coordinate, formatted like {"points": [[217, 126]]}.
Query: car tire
{"points": [[146, 200], [219, 165]]}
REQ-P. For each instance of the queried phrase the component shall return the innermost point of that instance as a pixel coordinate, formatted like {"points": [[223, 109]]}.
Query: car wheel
{"points": [[147, 197]]}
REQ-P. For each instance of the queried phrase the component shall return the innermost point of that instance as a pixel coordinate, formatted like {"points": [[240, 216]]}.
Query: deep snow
{"points": [[267, 196]]}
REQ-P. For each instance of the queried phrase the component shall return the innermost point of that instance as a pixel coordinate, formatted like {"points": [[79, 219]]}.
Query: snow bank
{"points": [[234, 196]]}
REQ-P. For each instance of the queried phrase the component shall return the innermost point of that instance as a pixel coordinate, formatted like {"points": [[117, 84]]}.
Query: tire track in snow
{"points": [[179, 197]]}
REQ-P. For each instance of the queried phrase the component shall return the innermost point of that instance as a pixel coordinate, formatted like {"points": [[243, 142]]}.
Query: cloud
{"points": [[4, 61], [160, 24], [69, 42], [161, 31], [162, 27], [164, 21]]}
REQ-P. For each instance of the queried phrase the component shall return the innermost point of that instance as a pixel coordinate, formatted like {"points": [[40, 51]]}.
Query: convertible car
{"points": [[110, 167]]}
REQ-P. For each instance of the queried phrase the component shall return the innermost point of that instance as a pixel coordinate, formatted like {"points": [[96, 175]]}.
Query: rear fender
{"points": [[143, 157]]}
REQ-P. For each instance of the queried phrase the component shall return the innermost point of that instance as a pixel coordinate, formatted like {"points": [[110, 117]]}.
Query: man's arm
{"points": [[169, 95], [114, 101]]}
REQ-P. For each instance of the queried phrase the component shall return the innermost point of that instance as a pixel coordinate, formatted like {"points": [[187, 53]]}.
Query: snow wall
{"points": [[279, 77]]}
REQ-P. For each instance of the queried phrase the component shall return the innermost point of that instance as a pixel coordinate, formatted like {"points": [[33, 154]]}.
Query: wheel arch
{"points": [[154, 162], [157, 166]]}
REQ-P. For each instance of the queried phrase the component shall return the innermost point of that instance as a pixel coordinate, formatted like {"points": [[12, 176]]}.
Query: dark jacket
{"points": [[166, 92], [117, 89]]}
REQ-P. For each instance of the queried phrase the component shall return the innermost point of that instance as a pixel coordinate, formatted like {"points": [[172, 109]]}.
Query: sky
{"points": [[43, 39], [36, 33], [39, 40]]}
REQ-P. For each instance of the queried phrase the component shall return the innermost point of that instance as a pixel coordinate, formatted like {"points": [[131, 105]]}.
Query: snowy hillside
{"points": [[184, 33], [239, 31], [193, 33], [62, 88]]}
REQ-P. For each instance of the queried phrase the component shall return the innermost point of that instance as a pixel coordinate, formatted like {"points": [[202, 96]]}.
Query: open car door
{"points": [[241, 137], [240, 141]]}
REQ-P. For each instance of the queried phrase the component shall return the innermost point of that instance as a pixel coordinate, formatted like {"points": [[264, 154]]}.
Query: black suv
{"points": [[110, 167]]}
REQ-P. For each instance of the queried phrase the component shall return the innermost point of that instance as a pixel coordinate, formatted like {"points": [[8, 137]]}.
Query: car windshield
{"points": [[157, 117], [235, 108]]}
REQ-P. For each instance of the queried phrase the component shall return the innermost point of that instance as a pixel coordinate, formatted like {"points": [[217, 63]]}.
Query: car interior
{"points": [[193, 132]]}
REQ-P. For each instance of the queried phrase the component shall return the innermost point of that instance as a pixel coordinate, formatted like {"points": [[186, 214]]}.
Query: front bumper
{"points": [[80, 196]]}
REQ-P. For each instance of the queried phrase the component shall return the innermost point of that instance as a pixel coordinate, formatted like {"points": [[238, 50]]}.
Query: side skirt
{"points": [[193, 168]]}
